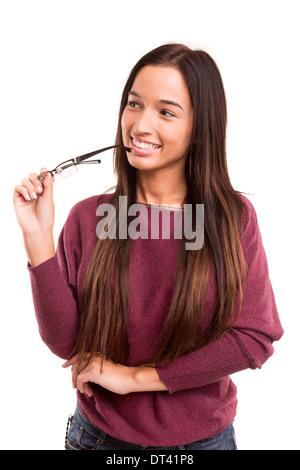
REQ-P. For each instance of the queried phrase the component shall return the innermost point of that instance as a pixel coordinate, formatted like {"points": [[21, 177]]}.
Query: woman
{"points": [[152, 329]]}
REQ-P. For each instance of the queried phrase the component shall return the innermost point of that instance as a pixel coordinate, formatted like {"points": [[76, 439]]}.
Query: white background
{"points": [[63, 67]]}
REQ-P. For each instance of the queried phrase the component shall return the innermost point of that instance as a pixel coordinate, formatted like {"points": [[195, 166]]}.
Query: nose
{"points": [[144, 122]]}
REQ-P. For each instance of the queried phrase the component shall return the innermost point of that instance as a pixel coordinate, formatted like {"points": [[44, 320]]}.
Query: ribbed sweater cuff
{"points": [[209, 364]]}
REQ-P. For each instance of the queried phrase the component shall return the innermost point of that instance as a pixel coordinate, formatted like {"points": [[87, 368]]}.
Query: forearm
{"points": [[146, 379], [236, 351], [39, 247], [55, 306]]}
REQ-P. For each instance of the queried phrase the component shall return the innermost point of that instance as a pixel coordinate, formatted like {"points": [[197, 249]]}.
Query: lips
{"points": [[144, 145]]}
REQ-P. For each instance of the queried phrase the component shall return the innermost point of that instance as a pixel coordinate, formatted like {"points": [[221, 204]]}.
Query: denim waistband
{"points": [[102, 436]]}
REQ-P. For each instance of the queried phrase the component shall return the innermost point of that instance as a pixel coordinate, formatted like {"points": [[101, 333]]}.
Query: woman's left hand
{"points": [[114, 377]]}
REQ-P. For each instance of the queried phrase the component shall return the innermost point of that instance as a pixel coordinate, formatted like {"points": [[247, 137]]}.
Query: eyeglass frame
{"points": [[79, 160]]}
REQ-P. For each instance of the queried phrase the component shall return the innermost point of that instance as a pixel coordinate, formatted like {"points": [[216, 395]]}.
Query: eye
{"points": [[133, 104], [166, 113]]}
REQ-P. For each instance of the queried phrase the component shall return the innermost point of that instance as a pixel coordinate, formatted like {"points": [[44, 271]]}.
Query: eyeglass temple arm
{"points": [[81, 158], [91, 161]]}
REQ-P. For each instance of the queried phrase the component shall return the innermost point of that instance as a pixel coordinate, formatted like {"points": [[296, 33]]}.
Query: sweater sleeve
{"points": [[249, 343], [54, 291]]}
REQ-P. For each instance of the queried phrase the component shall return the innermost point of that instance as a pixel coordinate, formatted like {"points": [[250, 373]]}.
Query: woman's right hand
{"points": [[33, 203], [34, 207]]}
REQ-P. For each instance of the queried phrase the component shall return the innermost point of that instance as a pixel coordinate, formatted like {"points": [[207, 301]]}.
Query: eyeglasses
{"points": [[69, 167]]}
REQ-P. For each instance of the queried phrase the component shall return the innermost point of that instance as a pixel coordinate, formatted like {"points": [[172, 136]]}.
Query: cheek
{"points": [[187, 136], [125, 123], [178, 138]]}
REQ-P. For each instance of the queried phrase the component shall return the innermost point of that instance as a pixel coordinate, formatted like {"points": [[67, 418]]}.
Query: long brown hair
{"points": [[103, 322]]}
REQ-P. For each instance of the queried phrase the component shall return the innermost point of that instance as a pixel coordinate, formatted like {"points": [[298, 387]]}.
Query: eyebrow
{"points": [[173, 103]]}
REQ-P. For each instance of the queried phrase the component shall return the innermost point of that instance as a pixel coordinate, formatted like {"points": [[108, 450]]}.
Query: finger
{"points": [[48, 180], [27, 183], [83, 385], [38, 187], [74, 375], [20, 192], [70, 362], [88, 390], [82, 379]]}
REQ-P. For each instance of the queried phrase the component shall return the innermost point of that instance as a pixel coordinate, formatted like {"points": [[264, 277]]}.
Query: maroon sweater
{"points": [[201, 398]]}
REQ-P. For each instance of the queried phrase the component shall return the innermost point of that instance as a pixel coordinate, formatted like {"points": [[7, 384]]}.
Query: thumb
{"points": [[47, 179]]}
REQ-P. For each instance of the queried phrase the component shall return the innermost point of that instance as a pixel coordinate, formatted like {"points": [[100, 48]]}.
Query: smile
{"points": [[144, 145]]}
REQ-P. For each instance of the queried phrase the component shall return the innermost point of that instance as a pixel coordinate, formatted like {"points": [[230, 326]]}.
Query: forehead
{"points": [[157, 82]]}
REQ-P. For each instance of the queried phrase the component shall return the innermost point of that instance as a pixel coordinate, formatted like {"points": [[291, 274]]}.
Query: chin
{"points": [[141, 163]]}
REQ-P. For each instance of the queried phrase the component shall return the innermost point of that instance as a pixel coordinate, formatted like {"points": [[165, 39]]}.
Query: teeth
{"points": [[144, 145]]}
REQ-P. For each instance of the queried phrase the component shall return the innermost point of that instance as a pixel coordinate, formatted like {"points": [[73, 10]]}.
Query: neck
{"points": [[160, 188]]}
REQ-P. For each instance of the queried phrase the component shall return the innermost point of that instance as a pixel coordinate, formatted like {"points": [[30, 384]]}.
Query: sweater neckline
{"points": [[160, 206]]}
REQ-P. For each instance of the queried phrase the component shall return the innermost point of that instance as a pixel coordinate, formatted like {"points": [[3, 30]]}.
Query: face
{"points": [[158, 119]]}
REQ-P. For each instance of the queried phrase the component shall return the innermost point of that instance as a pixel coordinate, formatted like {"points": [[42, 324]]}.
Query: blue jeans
{"points": [[83, 435]]}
